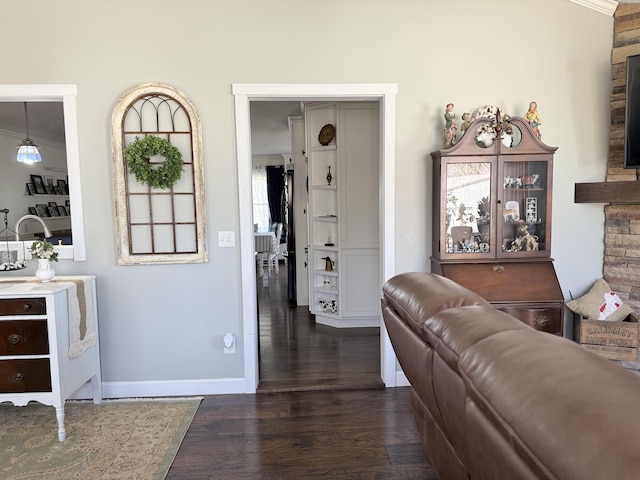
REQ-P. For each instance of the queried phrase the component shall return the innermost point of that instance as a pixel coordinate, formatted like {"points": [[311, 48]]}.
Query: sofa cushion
{"points": [[416, 296], [561, 408], [450, 332]]}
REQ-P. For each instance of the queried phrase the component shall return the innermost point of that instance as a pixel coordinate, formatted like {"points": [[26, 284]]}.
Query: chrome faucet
{"points": [[47, 233]]}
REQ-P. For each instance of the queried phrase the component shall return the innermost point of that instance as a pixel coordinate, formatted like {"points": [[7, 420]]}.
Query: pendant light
{"points": [[27, 150]]}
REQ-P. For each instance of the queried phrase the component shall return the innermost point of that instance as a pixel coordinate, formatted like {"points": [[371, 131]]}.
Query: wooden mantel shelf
{"points": [[608, 192]]}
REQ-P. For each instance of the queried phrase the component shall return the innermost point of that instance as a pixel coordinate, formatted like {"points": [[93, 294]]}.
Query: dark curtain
{"points": [[275, 190]]}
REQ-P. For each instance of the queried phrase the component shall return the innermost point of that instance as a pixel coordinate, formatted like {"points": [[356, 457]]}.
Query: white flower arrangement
{"points": [[44, 250]]}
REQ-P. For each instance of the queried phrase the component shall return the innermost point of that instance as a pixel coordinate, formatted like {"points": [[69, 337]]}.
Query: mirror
{"points": [[62, 164]]}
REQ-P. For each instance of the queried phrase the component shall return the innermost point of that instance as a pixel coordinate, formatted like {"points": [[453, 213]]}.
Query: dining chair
{"points": [[270, 260]]}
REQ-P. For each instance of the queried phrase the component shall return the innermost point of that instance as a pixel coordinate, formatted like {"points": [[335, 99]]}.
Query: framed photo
{"points": [[511, 211], [48, 189], [31, 189], [56, 190], [49, 180], [42, 210], [62, 185], [62, 211], [53, 211], [38, 184], [53, 204], [531, 205], [33, 211]]}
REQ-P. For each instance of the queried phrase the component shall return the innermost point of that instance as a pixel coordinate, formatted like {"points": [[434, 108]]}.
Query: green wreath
{"points": [[138, 153]]}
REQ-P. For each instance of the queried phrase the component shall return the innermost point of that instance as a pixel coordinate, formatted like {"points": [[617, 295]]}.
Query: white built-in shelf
{"points": [[326, 218], [332, 273]]}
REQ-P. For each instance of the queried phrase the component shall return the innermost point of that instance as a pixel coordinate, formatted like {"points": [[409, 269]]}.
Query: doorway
{"points": [[245, 93]]}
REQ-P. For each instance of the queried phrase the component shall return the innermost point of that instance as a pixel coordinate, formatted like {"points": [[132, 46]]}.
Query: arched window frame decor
{"points": [[173, 225]]}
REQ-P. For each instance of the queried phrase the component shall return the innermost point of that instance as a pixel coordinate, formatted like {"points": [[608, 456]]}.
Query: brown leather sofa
{"points": [[495, 399]]}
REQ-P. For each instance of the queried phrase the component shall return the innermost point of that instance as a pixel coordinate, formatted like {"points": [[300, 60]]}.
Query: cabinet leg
{"points": [[62, 433]]}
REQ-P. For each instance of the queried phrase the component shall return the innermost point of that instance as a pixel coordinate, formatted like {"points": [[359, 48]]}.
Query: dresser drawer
{"points": [[18, 376], [546, 319], [23, 337], [23, 306]]}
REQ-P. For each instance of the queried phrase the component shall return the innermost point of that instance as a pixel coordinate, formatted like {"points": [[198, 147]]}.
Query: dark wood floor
{"points": [[297, 354], [321, 410], [337, 434]]}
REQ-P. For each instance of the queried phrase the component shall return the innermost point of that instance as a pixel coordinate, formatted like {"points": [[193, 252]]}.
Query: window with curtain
{"points": [[261, 214]]}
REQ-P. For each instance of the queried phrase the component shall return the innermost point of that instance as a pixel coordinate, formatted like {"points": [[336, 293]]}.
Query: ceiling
{"points": [[270, 126], [46, 121]]}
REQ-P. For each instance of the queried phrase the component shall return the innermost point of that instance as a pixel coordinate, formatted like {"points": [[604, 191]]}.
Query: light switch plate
{"points": [[226, 239]]}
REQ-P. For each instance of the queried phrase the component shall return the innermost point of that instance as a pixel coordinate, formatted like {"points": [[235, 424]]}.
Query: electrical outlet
{"points": [[226, 239]]}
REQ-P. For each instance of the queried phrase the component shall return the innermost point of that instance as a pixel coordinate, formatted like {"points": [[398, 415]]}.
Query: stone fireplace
{"points": [[621, 190]]}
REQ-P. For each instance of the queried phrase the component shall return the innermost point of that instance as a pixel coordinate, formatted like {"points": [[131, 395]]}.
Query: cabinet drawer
{"points": [[18, 376], [545, 319], [23, 337], [23, 306]]}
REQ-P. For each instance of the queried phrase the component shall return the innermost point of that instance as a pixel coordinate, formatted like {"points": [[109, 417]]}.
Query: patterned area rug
{"points": [[118, 439]]}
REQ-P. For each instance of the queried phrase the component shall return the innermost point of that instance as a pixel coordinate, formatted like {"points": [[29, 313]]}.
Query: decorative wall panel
{"points": [[158, 224]]}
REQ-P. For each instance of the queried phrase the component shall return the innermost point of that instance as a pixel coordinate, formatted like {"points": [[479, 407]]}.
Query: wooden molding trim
{"points": [[607, 192], [607, 7]]}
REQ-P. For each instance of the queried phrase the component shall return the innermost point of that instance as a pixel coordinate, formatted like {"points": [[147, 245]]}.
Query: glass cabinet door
{"points": [[468, 208], [524, 226]]}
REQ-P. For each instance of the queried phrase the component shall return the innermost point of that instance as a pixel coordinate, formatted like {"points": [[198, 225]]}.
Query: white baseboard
{"points": [[401, 379], [164, 388], [179, 388], [354, 322]]}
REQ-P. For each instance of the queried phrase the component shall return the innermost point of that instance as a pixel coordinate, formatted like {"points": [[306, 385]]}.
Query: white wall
{"points": [[164, 324]]}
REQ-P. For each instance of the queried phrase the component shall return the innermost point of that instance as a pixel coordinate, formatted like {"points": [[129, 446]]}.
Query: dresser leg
{"points": [[96, 388], [62, 433]]}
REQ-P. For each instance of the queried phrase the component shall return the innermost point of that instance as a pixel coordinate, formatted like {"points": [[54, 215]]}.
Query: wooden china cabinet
{"points": [[492, 220]]}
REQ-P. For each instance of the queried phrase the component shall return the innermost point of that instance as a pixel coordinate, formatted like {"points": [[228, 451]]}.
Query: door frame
{"points": [[243, 94]]}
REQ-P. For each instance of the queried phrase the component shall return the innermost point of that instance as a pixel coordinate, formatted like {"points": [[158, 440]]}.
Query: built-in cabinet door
{"points": [[359, 283], [358, 166]]}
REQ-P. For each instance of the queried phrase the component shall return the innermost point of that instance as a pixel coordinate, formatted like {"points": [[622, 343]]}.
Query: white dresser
{"points": [[49, 344]]}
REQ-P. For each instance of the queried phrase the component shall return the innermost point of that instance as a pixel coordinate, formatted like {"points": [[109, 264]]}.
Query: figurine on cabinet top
{"points": [[450, 126], [533, 118], [466, 121]]}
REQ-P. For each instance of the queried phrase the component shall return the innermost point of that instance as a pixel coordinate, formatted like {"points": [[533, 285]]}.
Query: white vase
{"points": [[44, 272]]}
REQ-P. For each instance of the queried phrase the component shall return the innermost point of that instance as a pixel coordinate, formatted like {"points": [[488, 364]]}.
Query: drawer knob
{"points": [[18, 377], [14, 339], [26, 306], [541, 320], [498, 268]]}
